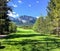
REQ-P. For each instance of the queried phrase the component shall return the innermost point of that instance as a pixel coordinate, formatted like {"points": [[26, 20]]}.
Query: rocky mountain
{"points": [[24, 20]]}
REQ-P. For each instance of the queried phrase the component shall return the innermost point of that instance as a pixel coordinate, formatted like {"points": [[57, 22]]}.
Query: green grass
{"points": [[25, 31], [28, 40], [57, 49]]}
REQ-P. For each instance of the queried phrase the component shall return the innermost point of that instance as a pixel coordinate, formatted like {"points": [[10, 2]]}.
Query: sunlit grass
{"points": [[25, 31], [12, 42], [57, 49]]}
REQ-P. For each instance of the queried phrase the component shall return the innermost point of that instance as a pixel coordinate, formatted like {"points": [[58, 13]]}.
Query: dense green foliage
{"points": [[51, 23], [54, 14], [27, 27], [12, 27], [6, 26], [43, 25], [4, 21], [39, 25]]}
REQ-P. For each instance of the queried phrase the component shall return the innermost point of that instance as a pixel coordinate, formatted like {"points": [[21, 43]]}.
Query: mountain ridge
{"points": [[24, 20]]}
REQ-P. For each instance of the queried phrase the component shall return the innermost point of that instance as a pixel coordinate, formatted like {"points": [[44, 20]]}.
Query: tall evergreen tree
{"points": [[4, 21], [39, 26], [48, 25], [54, 14]]}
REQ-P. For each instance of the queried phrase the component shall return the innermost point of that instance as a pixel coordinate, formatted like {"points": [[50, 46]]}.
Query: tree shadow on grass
{"points": [[19, 36], [35, 42]]}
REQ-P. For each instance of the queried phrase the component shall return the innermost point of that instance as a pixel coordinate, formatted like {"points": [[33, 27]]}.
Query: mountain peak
{"points": [[25, 20]]}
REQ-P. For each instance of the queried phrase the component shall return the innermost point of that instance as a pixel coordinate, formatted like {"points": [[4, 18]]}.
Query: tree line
{"points": [[49, 24]]}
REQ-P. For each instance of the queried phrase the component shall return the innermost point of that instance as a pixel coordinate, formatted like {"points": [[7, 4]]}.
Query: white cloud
{"points": [[20, 1], [12, 14], [7, 0], [9, 12], [14, 5], [37, 1], [37, 17], [29, 5]]}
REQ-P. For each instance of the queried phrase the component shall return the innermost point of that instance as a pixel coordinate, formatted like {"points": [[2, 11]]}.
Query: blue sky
{"points": [[29, 7]]}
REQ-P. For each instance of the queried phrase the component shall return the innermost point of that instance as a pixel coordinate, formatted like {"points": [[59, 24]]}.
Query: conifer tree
{"points": [[54, 14], [39, 26], [4, 20]]}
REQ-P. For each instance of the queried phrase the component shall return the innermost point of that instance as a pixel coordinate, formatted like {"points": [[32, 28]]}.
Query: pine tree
{"points": [[39, 26], [54, 14], [48, 25], [4, 21]]}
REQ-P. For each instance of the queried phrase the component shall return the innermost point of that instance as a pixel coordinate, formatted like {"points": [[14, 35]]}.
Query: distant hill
{"points": [[24, 20]]}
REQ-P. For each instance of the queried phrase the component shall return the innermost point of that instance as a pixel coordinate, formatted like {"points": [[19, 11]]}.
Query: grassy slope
{"points": [[25, 31], [23, 35]]}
